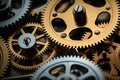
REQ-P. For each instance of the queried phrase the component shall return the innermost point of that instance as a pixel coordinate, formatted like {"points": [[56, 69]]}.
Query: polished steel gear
{"points": [[28, 42], [13, 11], [79, 23], [68, 68], [4, 57], [32, 64], [104, 58]]}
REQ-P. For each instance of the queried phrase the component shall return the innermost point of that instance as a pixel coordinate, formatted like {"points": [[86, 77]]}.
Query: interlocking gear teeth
{"points": [[37, 42], [66, 62], [72, 42], [32, 64], [19, 15], [4, 57], [103, 61]]}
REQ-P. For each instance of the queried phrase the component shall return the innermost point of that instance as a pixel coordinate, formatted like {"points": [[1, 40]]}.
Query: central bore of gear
{"points": [[26, 41]]}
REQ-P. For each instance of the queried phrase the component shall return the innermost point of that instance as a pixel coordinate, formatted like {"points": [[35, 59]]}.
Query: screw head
{"points": [[63, 35], [97, 32]]}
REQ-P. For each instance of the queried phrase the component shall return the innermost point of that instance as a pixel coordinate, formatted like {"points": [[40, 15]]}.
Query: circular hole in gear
{"points": [[59, 25], [80, 34]]}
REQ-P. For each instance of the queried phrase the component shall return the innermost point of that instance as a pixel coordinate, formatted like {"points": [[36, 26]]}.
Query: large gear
{"points": [[104, 58], [69, 68], [4, 57], [32, 64], [13, 11], [79, 23], [28, 42]]}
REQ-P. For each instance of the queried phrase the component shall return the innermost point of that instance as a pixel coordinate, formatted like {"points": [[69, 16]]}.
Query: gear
{"points": [[13, 11], [32, 64], [28, 42], [69, 30], [116, 56], [4, 57], [68, 68], [104, 58]]}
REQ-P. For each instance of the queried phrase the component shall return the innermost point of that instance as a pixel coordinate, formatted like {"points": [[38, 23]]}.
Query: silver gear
{"points": [[13, 11], [69, 68]]}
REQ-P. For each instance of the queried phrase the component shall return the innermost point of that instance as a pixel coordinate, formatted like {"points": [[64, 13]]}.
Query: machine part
{"points": [[69, 68], [38, 6], [4, 57], [32, 64], [28, 42], [104, 58], [116, 56], [13, 11], [65, 30]]}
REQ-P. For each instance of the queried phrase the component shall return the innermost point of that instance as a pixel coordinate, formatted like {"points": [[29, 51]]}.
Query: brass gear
{"points": [[28, 42], [4, 57], [62, 24], [104, 59], [32, 64], [116, 56]]}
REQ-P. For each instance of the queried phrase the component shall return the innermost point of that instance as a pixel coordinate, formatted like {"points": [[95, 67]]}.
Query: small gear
{"points": [[4, 57], [116, 56], [69, 68], [78, 29], [104, 58], [32, 64], [28, 42], [13, 11]]}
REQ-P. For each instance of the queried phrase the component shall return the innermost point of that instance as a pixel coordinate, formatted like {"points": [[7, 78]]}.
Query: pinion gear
{"points": [[68, 27], [4, 57], [28, 42], [13, 11], [104, 58], [68, 68]]}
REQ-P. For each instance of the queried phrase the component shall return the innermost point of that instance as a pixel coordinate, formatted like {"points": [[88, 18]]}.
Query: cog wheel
{"points": [[28, 42], [116, 56], [13, 11], [78, 29], [32, 64], [68, 68], [104, 58], [4, 57]]}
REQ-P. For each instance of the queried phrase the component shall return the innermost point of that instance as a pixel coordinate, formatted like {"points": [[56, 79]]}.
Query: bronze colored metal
{"points": [[58, 19]]}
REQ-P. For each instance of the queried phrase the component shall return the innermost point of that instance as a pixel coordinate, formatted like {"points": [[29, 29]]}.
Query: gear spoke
{"points": [[67, 67], [40, 36], [22, 30], [19, 52], [40, 43], [34, 31], [14, 11]]}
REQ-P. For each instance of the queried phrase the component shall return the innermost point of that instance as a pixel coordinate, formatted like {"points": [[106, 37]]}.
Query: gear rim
{"points": [[58, 60], [20, 14], [91, 42], [40, 39]]}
